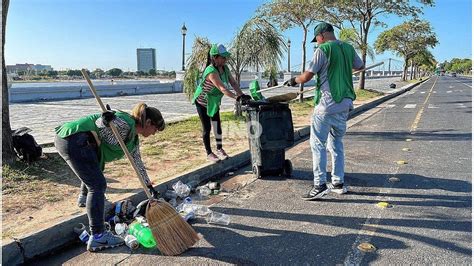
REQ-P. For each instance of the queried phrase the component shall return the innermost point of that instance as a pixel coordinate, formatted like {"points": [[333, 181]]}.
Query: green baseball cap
{"points": [[320, 28], [219, 49]]}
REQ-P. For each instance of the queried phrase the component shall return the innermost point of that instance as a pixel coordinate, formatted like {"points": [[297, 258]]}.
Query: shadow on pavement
{"points": [[401, 136]]}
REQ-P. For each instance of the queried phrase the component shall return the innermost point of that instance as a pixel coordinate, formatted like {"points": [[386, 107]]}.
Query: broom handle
{"points": [[116, 134], [271, 88], [353, 73], [367, 68]]}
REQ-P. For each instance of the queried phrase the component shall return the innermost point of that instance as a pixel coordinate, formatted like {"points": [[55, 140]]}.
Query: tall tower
{"points": [[146, 59]]}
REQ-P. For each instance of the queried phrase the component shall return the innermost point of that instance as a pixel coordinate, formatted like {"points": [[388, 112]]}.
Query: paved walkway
{"points": [[43, 117]]}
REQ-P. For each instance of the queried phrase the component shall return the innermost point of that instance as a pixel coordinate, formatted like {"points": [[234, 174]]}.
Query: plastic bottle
{"points": [[143, 234], [218, 218], [199, 210], [204, 191], [131, 242]]}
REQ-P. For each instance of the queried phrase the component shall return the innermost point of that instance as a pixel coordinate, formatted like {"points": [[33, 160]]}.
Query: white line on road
{"points": [[432, 106], [390, 106], [410, 106], [422, 92], [465, 84], [449, 91]]}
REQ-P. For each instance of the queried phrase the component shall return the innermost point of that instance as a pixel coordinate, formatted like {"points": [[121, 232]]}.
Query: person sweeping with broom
{"points": [[215, 83], [88, 143], [333, 62]]}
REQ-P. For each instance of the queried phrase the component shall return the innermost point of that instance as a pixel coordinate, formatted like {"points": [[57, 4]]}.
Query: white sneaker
{"points": [[338, 189]]}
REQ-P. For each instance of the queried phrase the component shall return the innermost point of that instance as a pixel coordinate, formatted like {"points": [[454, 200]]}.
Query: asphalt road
{"points": [[429, 223], [43, 117]]}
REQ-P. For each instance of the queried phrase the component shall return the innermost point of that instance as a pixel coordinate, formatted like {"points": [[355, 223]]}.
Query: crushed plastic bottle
{"points": [[121, 229], [182, 190], [204, 191], [218, 218], [199, 210]]}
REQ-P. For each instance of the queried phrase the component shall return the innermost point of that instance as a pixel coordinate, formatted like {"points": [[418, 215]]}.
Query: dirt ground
{"points": [[45, 193]]}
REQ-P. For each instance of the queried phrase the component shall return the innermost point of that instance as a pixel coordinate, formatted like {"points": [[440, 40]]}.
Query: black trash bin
{"points": [[270, 132]]}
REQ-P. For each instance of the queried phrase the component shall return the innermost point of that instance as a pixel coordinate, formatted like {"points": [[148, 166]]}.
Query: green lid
{"points": [[219, 49]]}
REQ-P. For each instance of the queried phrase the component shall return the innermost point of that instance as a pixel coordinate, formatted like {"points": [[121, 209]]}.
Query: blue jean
{"points": [[327, 130], [80, 153]]}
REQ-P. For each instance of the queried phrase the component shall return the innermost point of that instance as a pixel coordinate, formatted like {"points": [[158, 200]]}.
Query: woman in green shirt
{"points": [[88, 143], [216, 82]]}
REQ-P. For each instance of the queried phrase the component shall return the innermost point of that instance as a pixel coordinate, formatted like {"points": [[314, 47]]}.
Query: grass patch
{"points": [[363, 95]]}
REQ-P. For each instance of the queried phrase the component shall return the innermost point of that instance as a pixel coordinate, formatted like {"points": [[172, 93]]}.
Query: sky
{"points": [[74, 34]]}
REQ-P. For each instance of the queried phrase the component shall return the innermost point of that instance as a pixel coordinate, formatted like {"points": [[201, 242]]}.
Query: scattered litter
{"points": [[82, 232], [131, 242], [384, 205], [192, 185], [121, 229], [394, 179], [204, 191], [366, 247], [143, 234], [230, 173], [213, 185], [182, 190], [173, 202], [218, 218], [406, 149], [401, 162]]}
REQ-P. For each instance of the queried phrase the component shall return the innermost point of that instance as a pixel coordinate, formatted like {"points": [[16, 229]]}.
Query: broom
{"points": [[171, 232]]}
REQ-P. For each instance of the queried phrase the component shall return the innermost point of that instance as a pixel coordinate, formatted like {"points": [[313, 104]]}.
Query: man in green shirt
{"points": [[333, 62]]}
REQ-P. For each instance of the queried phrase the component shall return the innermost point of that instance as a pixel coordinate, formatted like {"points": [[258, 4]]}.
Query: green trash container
{"points": [[270, 132]]}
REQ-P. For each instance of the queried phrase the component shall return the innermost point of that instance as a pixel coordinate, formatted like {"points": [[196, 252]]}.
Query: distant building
{"points": [[146, 59], [28, 68]]}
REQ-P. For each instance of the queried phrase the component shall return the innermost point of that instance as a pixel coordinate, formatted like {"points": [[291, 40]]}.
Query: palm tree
{"points": [[256, 45], [349, 35]]}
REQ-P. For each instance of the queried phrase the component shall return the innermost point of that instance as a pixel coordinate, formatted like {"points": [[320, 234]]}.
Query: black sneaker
{"points": [[316, 192], [338, 189]]}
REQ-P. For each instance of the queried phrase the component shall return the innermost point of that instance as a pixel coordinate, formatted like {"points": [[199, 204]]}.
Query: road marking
{"points": [[461, 105], [449, 91], [410, 106], [422, 92], [390, 106], [418, 116], [451, 87], [432, 106], [435, 92], [465, 84]]}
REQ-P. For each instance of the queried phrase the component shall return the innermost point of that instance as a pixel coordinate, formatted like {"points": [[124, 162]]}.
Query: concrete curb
{"points": [[61, 234]]}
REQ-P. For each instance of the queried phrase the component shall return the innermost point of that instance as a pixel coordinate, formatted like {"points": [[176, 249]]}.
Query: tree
{"points": [[115, 72], [258, 44], [8, 155], [424, 60], [459, 65], [52, 73], [290, 14], [152, 72], [98, 73], [361, 16], [349, 35], [195, 65], [406, 40], [74, 73]]}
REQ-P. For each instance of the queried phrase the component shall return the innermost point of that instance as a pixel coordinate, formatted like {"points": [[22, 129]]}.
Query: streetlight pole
{"points": [[289, 44], [183, 31]]}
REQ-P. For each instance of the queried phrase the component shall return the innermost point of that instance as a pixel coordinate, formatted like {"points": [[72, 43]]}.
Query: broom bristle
{"points": [[173, 235]]}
